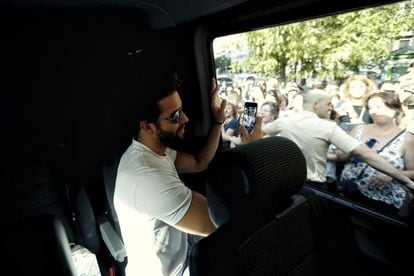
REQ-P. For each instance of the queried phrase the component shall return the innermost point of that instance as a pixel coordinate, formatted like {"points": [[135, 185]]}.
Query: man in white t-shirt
{"points": [[156, 210], [311, 130]]}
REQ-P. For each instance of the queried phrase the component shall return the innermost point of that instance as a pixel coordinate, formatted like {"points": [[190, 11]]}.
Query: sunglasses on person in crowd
{"points": [[410, 106]]}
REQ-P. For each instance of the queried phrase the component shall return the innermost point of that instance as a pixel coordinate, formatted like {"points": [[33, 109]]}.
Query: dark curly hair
{"points": [[390, 99], [153, 90]]}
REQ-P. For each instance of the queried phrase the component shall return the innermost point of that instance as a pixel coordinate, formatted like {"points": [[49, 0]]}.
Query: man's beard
{"points": [[170, 139]]}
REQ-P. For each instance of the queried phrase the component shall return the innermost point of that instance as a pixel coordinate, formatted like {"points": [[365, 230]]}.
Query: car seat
{"points": [[109, 224], [36, 245], [269, 230]]}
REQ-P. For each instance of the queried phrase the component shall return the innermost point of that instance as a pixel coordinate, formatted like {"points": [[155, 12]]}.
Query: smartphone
{"points": [[249, 115]]}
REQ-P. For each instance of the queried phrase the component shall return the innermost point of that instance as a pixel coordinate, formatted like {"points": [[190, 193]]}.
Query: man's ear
{"points": [[147, 127]]}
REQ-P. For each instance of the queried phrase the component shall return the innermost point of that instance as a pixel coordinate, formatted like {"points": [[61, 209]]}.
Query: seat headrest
{"points": [[264, 173]]}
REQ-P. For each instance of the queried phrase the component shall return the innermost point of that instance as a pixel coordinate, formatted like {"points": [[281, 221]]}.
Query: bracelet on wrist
{"points": [[219, 123]]}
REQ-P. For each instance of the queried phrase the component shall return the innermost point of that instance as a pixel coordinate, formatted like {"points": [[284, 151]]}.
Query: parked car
{"points": [[224, 81]]}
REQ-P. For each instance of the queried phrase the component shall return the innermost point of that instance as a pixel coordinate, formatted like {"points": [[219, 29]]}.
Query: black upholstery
{"points": [[109, 172], [39, 188], [86, 221], [284, 246], [269, 231], [36, 245], [271, 169], [30, 186]]}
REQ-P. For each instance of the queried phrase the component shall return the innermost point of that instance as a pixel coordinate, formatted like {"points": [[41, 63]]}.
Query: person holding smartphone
{"points": [[246, 121], [313, 132], [249, 116]]}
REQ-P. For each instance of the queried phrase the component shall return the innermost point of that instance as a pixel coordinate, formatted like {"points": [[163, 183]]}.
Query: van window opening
{"points": [[278, 64]]}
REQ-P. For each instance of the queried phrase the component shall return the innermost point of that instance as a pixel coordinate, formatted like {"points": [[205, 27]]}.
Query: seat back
{"points": [[95, 226], [30, 187], [284, 246], [109, 223], [269, 231], [47, 182], [109, 172], [85, 220], [36, 245]]}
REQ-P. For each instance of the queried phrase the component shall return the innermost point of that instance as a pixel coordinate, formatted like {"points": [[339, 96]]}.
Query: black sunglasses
{"points": [[410, 106], [174, 117]]}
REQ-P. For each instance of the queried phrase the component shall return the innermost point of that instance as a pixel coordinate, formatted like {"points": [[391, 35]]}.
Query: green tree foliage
{"points": [[328, 47], [223, 63]]}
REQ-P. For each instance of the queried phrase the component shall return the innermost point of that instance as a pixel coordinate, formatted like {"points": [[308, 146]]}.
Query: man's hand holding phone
{"points": [[249, 116], [255, 134], [250, 125]]}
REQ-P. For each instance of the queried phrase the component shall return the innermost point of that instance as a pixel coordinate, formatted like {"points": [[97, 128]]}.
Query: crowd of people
{"points": [[161, 218], [321, 117]]}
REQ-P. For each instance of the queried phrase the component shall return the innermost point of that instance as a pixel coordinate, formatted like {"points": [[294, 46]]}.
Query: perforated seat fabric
{"points": [[269, 231], [285, 246], [264, 174]]}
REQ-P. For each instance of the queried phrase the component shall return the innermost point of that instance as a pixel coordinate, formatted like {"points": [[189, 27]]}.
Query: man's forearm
{"points": [[376, 161], [409, 173], [207, 153], [271, 129]]}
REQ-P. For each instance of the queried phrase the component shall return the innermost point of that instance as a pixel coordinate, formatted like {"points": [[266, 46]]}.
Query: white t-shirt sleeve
{"points": [[343, 140], [162, 196]]}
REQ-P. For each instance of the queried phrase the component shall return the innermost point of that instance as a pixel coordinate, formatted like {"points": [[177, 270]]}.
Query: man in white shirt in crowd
{"points": [[311, 130]]}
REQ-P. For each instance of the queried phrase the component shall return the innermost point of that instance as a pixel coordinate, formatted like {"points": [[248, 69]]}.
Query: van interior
{"points": [[73, 74]]}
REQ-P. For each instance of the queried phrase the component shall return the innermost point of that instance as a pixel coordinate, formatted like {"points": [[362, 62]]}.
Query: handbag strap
{"points": [[381, 149], [390, 141]]}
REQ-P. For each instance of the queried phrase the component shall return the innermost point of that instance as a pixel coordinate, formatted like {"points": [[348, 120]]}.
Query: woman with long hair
{"points": [[230, 126], [356, 89]]}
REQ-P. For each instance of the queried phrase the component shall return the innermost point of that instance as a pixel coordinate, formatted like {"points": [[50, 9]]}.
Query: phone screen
{"points": [[249, 116]]}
